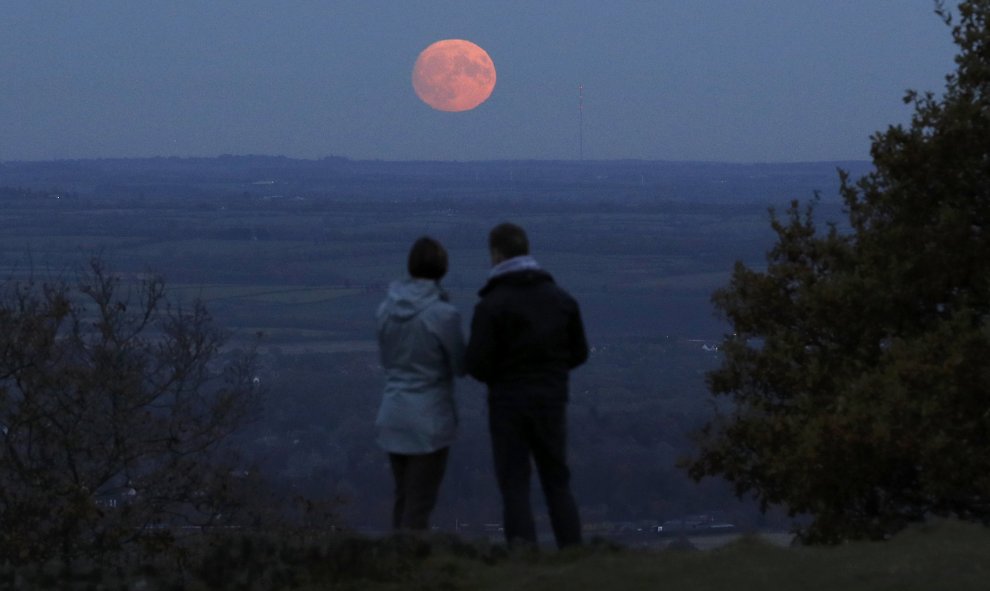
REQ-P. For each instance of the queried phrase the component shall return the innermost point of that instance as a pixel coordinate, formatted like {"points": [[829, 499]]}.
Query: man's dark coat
{"points": [[526, 334]]}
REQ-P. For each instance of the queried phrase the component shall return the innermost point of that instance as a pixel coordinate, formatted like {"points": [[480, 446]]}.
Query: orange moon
{"points": [[453, 75]]}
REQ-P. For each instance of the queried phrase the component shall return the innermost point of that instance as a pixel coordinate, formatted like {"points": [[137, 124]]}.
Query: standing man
{"points": [[526, 335]]}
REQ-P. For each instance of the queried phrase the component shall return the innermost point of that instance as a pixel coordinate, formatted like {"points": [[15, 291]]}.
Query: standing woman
{"points": [[422, 349]]}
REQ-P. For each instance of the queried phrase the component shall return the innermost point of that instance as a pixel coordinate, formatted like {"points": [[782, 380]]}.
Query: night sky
{"points": [[717, 80]]}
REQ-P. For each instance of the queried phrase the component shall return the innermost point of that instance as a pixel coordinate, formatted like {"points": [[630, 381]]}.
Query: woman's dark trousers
{"points": [[417, 481]]}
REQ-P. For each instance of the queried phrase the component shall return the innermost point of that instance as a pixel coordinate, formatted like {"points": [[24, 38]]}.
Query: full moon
{"points": [[453, 75]]}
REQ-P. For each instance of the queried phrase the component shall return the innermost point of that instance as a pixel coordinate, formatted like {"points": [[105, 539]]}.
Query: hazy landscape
{"points": [[300, 252], [202, 206]]}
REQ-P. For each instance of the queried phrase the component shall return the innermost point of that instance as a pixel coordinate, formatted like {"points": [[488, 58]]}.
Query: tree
{"points": [[114, 405], [859, 367]]}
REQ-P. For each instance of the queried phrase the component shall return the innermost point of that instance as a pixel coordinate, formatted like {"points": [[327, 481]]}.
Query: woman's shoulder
{"points": [[442, 309]]}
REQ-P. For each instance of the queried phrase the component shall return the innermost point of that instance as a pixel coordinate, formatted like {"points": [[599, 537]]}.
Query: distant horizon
{"points": [[413, 161]]}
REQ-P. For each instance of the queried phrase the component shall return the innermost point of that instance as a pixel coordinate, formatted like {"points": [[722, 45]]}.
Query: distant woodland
{"points": [[300, 252]]}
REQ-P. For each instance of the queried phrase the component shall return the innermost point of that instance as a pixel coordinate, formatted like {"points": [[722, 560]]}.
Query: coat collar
{"points": [[520, 277], [514, 264]]}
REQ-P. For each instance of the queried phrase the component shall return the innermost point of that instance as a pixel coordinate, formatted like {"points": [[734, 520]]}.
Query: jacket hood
{"points": [[408, 297]]}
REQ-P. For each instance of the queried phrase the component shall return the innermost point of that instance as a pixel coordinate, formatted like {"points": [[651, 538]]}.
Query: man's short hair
{"points": [[509, 240], [427, 259]]}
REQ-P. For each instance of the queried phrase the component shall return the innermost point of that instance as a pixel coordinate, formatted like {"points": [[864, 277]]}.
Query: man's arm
{"points": [[576, 339], [480, 354]]}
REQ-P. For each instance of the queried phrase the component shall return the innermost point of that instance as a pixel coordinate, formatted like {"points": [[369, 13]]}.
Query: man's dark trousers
{"points": [[538, 431]]}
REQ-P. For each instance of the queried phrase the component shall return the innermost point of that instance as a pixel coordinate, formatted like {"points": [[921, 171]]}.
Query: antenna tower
{"points": [[580, 121]]}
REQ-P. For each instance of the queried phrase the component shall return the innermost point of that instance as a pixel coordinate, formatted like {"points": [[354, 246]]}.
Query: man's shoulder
{"points": [[521, 293], [517, 280]]}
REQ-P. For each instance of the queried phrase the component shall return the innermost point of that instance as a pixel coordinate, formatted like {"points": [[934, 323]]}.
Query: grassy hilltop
{"points": [[945, 555]]}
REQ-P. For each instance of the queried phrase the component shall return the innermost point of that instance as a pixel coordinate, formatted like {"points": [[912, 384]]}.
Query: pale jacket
{"points": [[422, 349]]}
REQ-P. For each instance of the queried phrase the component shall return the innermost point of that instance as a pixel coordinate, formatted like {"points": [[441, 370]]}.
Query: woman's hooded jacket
{"points": [[422, 349]]}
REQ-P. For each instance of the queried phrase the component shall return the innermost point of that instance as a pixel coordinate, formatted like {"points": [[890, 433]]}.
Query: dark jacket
{"points": [[526, 334]]}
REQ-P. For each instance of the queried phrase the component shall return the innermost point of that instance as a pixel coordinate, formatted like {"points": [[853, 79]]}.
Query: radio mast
{"points": [[581, 122]]}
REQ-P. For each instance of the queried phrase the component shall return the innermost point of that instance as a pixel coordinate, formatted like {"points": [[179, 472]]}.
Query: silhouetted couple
{"points": [[526, 335]]}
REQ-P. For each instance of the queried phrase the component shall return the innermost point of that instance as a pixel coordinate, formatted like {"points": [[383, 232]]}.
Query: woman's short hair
{"points": [[509, 240], [427, 259]]}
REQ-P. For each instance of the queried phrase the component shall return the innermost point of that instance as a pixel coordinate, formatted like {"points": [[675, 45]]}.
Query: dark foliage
{"points": [[247, 561], [858, 366], [113, 409]]}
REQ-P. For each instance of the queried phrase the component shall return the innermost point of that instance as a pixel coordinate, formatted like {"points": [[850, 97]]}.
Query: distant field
{"points": [[689, 281], [259, 293], [307, 274], [295, 348]]}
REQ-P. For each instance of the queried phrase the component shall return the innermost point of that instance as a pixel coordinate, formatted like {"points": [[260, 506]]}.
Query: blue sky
{"points": [[716, 80]]}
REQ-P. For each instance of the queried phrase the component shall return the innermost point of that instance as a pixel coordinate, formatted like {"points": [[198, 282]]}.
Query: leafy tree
{"points": [[113, 408], [859, 366]]}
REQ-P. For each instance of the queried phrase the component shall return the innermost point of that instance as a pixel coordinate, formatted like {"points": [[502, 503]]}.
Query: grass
{"points": [[943, 555]]}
